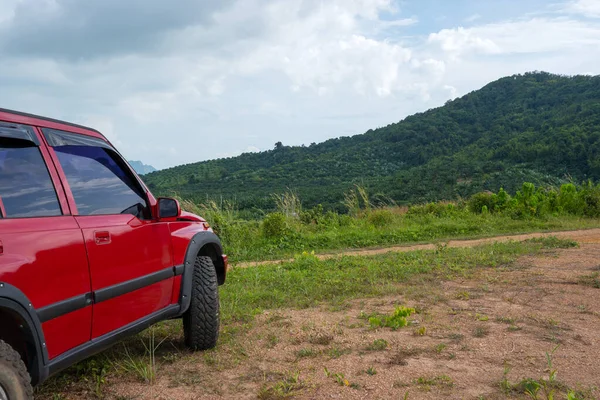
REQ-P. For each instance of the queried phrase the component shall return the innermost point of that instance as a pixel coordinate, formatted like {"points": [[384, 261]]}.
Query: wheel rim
{"points": [[3, 395]]}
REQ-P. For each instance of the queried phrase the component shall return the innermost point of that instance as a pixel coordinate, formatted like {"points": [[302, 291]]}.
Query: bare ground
{"points": [[500, 320]]}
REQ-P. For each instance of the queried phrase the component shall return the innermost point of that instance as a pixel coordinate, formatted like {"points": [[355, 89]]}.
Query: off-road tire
{"points": [[14, 378], [201, 320]]}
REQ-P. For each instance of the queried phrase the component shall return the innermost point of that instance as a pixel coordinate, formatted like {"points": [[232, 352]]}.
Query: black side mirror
{"points": [[168, 208]]}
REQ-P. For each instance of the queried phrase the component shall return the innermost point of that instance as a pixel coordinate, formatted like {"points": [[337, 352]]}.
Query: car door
{"points": [[42, 253], [129, 252]]}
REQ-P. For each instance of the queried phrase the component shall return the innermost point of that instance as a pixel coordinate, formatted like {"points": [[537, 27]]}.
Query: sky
{"points": [[172, 83]]}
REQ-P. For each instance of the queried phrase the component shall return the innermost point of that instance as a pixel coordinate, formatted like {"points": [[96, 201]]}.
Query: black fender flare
{"points": [[14, 300], [199, 240]]}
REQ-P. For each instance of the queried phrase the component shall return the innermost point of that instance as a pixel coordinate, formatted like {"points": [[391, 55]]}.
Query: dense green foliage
{"points": [[536, 127], [284, 233]]}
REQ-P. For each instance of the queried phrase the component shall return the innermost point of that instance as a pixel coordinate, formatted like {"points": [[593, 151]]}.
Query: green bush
{"points": [[380, 218], [313, 216], [480, 200], [275, 225], [590, 198]]}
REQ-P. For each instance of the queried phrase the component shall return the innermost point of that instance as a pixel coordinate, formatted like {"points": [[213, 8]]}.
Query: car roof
{"points": [[44, 122]]}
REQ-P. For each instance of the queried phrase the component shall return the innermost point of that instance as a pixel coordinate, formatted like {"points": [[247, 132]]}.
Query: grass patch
{"points": [[309, 281]]}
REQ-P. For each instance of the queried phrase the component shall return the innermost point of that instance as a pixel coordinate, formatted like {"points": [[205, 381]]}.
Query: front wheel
{"points": [[201, 320], [15, 383]]}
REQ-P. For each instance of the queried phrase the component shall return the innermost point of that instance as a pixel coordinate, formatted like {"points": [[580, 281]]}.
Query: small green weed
{"points": [[272, 340], [395, 321], [440, 347], [286, 387], [462, 295], [441, 380], [514, 328], [420, 331], [482, 317], [336, 352], [306, 353], [338, 377], [506, 320], [371, 371], [378, 345]]}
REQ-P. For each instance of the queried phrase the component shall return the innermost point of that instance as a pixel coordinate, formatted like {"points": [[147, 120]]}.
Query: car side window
{"points": [[99, 183], [26, 189]]}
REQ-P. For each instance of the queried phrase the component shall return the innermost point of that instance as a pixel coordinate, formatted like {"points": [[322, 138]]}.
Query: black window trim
{"points": [[84, 140], [21, 132], [53, 137]]}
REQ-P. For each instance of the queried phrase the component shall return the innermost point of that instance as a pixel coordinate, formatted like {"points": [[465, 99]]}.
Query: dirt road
{"points": [[581, 236]]}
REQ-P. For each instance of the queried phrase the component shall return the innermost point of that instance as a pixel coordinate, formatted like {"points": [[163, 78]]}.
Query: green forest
{"points": [[535, 127]]}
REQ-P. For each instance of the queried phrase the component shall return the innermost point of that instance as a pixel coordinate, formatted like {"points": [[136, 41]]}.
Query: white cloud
{"points": [[537, 35], [473, 17], [588, 8]]}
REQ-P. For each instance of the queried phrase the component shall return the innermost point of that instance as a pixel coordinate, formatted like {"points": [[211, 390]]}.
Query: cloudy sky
{"points": [[173, 82]]}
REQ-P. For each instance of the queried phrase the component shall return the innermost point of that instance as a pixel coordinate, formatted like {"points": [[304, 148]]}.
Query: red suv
{"points": [[88, 255]]}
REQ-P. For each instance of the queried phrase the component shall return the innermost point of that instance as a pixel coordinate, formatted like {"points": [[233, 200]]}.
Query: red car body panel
{"points": [[46, 259], [79, 279], [109, 315], [68, 331], [121, 248]]}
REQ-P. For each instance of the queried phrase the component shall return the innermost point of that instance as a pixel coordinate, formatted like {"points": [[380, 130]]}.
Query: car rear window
{"points": [[26, 189]]}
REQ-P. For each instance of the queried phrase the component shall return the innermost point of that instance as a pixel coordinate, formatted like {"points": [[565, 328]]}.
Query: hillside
{"points": [[535, 127]]}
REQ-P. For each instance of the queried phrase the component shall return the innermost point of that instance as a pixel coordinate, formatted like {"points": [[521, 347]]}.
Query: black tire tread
{"points": [[201, 320], [10, 356]]}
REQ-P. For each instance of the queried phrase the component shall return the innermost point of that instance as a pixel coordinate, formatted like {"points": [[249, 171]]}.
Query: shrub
{"points": [[275, 225], [312, 216], [480, 200], [380, 218], [590, 200], [568, 200]]}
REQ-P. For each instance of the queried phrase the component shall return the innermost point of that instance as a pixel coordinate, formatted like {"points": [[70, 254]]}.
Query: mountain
{"points": [[141, 168], [536, 127]]}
